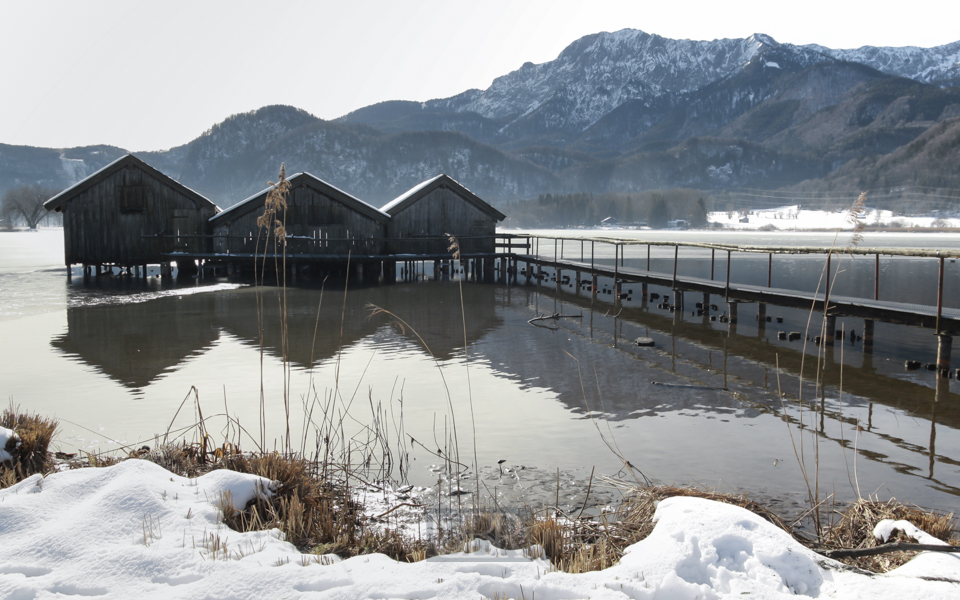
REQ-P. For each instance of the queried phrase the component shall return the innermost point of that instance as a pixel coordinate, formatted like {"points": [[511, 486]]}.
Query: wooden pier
{"points": [[945, 322]]}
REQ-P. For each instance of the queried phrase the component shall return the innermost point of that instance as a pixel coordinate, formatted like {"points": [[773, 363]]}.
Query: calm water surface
{"points": [[114, 358]]}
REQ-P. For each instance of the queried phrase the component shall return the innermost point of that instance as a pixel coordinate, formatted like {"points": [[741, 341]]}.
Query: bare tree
{"points": [[25, 203]]}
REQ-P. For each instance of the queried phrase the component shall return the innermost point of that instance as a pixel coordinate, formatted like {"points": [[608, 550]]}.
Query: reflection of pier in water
{"points": [[709, 370]]}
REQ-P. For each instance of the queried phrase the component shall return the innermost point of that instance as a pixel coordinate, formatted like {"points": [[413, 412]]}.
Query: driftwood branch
{"points": [[886, 548], [553, 317]]}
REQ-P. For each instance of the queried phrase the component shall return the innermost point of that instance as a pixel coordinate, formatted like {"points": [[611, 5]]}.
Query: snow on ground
{"points": [[5, 436], [134, 530], [795, 217]]}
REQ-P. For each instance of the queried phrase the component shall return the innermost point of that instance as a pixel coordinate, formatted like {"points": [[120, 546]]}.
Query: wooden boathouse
{"points": [[422, 217], [128, 215], [322, 222]]}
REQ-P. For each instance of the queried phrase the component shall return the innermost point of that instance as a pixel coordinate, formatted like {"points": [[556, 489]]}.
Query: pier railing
{"points": [[614, 257]]}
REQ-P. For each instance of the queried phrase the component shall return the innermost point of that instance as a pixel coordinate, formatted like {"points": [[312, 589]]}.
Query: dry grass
{"points": [[854, 529], [582, 545], [315, 513], [314, 508], [30, 449]]}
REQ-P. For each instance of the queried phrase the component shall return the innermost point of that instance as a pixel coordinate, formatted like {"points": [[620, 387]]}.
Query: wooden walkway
{"points": [[916, 315]]}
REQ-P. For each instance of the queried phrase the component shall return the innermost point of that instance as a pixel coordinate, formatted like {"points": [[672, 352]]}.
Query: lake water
{"points": [[114, 360]]}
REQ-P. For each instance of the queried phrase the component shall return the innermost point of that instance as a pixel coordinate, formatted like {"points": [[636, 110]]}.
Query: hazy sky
{"points": [[152, 74]]}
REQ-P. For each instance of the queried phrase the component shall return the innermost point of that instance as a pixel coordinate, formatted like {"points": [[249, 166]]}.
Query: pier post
{"points": [[390, 271], [578, 283], [643, 290], [616, 273], [594, 288], [831, 329], [97, 272], [503, 270], [488, 270], [69, 273], [165, 270], [939, 297], [732, 311], [761, 319], [559, 275], [944, 343], [529, 271], [539, 275], [436, 270], [676, 255], [706, 304], [726, 291], [876, 278]]}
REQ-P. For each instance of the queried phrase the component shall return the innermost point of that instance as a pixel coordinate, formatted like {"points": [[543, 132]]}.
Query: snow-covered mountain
{"points": [[622, 111], [599, 72], [939, 65]]}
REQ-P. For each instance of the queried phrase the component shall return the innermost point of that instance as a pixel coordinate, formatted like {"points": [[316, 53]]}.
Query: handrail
{"points": [[915, 252]]}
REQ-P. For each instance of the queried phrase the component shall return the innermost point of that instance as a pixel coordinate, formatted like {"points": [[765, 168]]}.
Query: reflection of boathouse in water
{"points": [[168, 331], [129, 215]]}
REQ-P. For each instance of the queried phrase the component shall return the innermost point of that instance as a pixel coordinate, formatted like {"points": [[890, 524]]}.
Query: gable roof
{"points": [[301, 179], [422, 189], [128, 160]]}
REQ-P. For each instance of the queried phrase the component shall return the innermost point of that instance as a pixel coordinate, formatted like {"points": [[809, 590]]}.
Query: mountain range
{"points": [[623, 112]]}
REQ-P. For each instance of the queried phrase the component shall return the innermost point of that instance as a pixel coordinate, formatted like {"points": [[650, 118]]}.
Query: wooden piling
{"points": [[876, 278], [676, 255], [831, 330], [939, 297], [944, 344], [726, 293], [868, 336], [616, 273]]}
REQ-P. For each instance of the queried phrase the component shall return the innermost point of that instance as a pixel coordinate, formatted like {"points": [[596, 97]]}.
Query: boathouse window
{"points": [[133, 198]]}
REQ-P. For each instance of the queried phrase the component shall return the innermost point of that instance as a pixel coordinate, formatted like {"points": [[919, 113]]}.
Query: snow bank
{"points": [[135, 530], [5, 436]]}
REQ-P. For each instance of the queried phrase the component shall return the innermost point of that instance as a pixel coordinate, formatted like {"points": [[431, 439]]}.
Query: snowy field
{"points": [[134, 530], [795, 217]]}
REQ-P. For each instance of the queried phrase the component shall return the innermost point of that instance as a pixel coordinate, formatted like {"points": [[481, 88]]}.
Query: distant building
{"points": [[320, 219], [610, 223], [435, 208], [129, 214]]}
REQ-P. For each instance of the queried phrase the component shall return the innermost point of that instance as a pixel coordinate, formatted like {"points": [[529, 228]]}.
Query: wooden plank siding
{"points": [[319, 219], [420, 219], [122, 215]]}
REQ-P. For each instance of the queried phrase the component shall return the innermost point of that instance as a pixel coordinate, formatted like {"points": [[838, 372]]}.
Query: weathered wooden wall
{"points": [[314, 222], [107, 223], [437, 213]]}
